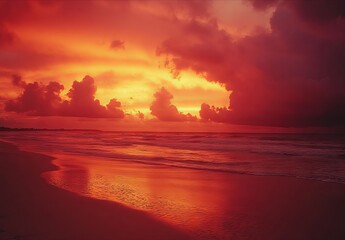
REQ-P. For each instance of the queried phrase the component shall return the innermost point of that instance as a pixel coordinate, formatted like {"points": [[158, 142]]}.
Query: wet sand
{"points": [[30, 208], [206, 204]]}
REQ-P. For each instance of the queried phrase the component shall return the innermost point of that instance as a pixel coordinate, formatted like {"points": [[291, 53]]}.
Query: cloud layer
{"points": [[292, 75], [44, 100]]}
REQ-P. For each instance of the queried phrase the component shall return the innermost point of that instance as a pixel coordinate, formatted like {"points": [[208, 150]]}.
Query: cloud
{"points": [[93, 20], [17, 81], [114, 108], [140, 115], [36, 99], [44, 100], [7, 38], [117, 44], [192, 8], [263, 4], [317, 11], [290, 76], [14, 10], [162, 108], [202, 47], [82, 102], [25, 54]]}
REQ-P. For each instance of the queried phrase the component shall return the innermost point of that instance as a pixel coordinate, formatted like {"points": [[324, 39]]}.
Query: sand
{"points": [[30, 208], [217, 205]]}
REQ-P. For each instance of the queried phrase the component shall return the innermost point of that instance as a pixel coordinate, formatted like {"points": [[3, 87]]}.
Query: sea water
{"points": [[311, 156]]}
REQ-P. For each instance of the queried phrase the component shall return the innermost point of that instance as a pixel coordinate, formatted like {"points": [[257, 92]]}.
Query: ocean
{"points": [[311, 156], [195, 181]]}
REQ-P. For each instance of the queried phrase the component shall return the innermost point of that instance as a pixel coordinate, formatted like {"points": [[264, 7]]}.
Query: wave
{"points": [[318, 157]]}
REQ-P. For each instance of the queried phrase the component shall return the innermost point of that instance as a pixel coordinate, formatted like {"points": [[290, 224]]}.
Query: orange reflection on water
{"points": [[191, 199]]}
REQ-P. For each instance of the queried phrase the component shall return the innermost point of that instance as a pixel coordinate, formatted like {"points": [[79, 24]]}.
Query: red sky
{"points": [[197, 65]]}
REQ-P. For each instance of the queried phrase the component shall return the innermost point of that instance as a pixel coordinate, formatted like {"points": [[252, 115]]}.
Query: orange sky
{"points": [[63, 42], [128, 49]]}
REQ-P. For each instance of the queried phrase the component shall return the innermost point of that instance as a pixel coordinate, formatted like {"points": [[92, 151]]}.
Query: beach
{"points": [[158, 202], [30, 208], [172, 120]]}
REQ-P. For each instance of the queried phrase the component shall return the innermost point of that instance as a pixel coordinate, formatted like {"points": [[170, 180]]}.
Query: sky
{"points": [[172, 65]]}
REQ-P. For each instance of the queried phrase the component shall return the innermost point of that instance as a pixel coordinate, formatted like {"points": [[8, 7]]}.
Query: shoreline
{"points": [[31, 208], [190, 168], [253, 207]]}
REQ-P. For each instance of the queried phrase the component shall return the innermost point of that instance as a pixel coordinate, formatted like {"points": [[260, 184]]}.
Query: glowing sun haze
{"points": [[200, 65]]}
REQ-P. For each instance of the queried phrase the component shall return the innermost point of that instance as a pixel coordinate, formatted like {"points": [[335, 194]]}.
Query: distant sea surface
{"points": [[309, 156]]}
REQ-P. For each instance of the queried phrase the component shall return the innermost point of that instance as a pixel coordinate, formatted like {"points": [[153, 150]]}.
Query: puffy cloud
{"points": [[162, 108], [36, 99], [114, 108], [290, 76], [82, 102], [44, 100], [217, 114], [117, 44]]}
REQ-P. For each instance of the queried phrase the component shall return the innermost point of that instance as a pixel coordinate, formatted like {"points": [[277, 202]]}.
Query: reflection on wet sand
{"points": [[193, 200], [71, 177], [158, 175]]}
